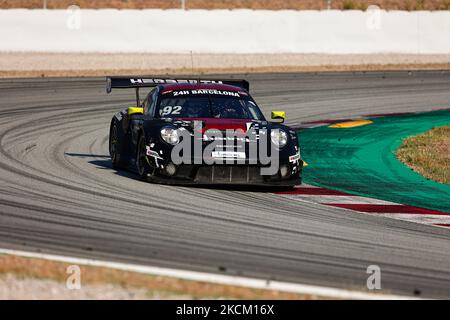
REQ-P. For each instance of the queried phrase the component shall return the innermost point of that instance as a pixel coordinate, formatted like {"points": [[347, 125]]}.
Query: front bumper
{"points": [[228, 175]]}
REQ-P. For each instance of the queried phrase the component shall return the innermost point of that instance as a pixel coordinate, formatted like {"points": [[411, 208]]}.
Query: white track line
{"points": [[418, 218], [213, 278]]}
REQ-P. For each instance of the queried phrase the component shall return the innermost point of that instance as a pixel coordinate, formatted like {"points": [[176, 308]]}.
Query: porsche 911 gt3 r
{"points": [[203, 132]]}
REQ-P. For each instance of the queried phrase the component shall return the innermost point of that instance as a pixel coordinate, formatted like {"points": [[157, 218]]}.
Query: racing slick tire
{"points": [[142, 165], [115, 147]]}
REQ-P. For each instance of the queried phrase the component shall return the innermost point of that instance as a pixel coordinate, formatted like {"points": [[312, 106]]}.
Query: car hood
{"points": [[225, 124]]}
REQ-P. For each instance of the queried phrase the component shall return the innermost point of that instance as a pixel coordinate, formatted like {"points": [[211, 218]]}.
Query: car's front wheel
{"points": [[141, 159]]}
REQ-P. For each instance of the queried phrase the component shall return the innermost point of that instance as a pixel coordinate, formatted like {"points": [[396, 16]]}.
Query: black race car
{"points": [[203, 132]]}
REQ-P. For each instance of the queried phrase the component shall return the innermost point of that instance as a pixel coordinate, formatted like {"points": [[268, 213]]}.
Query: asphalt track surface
{"points": [[58, 193]]}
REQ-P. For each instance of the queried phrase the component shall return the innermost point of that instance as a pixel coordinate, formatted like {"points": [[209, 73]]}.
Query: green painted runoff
{"points": [[362, 161]]}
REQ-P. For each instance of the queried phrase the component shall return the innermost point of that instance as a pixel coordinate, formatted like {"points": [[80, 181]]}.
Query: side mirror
{"points": [[278, 115], [135, 110]]}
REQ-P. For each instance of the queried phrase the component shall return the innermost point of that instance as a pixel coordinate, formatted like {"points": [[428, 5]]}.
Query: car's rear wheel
{"points": [[141, 159], [114, 146]]}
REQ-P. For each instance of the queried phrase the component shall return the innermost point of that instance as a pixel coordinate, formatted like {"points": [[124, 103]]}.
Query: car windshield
{"points": [[208, 106]]}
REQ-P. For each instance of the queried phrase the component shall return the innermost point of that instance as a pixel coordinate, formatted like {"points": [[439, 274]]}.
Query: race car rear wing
{"points": [[128, 83]]}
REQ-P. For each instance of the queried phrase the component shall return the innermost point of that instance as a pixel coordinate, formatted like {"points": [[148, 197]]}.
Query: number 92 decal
{"points": [[169, 110]]}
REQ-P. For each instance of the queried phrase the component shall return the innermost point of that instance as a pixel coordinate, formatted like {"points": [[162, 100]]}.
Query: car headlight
{"points": [[170, 135], [279, 137]]}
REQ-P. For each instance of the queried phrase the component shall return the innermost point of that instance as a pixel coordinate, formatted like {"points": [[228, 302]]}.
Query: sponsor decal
{"points": [[171, 81], [228, 155], [220, 138], [295, 157], [206, 91], [152, 153]]}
